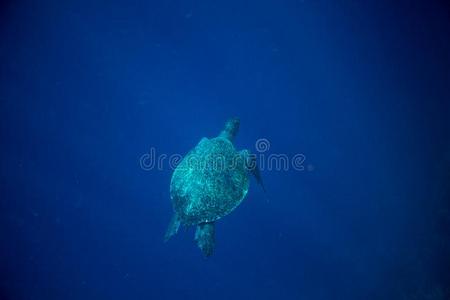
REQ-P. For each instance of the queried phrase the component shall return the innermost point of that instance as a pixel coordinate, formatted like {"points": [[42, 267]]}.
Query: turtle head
{"points": [[231, 129]]}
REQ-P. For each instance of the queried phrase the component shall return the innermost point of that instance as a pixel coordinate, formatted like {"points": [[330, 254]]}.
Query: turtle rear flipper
{"points": [[173, 227], [204, 236]]}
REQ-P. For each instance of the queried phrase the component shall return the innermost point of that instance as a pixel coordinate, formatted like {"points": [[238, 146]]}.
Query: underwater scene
{"points": [[291, 149]]}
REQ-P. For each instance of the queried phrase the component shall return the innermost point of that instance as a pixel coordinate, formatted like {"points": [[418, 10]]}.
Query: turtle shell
{"points": [[209, 183]]}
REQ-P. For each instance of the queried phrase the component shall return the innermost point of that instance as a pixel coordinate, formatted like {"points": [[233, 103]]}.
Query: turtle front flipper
{"points": [[204, 236], [173, 227], [252, 167]]}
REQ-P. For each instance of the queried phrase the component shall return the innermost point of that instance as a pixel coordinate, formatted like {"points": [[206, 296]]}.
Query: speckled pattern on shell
{"points": [[209, 183]]}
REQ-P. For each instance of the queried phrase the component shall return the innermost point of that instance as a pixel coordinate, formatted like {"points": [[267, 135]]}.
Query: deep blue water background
{"points": [[361, 88]]}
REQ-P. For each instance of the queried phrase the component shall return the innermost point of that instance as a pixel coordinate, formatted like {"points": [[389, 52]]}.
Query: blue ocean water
{"points": [[360, 90]]}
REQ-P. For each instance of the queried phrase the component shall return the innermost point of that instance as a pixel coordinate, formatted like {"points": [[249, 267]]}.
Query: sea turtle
{"points": [[209, 183]]}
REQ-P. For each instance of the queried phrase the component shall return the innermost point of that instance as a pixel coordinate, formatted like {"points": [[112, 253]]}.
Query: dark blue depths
{"points": [[360, 88]]}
